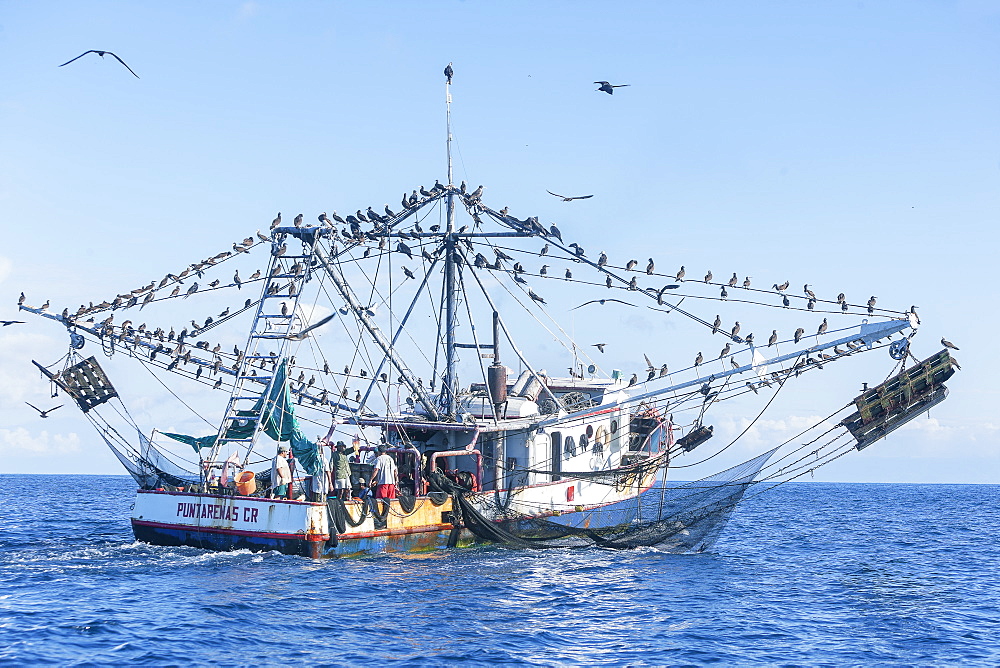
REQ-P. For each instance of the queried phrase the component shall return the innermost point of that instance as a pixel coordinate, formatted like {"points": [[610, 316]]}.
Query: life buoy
{"points": [[601, 435]]}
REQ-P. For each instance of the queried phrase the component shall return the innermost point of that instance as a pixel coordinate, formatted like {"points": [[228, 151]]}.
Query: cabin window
{"points": [[569, 447]]}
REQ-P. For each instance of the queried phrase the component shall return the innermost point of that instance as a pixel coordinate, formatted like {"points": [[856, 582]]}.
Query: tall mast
{"points": [[448, 394]]}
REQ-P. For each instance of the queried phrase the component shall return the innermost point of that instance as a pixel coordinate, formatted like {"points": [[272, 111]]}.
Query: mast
{"points": [[448, 394]]}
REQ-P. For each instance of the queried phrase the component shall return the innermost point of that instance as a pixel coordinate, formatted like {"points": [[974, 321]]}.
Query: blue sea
{"points": [[806, 574]]}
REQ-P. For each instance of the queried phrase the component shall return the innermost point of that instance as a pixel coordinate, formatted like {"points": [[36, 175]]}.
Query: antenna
{"points": [[448, 394], [449, 73]]}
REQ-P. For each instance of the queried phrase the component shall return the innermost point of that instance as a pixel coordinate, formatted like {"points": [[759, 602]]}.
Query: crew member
{"points": [[319, 484], [385, 474], [340, 468], [281, 475]]}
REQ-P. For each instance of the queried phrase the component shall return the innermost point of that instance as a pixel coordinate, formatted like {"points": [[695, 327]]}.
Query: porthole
{"points": [[614, 426]]}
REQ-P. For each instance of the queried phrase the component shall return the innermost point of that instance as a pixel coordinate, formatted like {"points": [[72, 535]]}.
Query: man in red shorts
{"points": [[385, 474]]}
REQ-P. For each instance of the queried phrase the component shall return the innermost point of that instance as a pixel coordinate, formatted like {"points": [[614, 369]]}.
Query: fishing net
{"points": [[678, 518]]}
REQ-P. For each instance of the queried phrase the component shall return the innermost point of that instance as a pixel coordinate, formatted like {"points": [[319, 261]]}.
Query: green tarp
{"points": [[278, 415]]}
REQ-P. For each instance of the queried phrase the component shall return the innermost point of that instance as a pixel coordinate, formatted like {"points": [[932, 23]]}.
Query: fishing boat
{"points": [[491, 447]]}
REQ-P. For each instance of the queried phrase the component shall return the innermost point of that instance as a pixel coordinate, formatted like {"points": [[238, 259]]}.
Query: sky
{"points": [[851, 146]]}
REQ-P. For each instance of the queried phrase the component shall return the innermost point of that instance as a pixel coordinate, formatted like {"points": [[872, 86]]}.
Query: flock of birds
{"points": [[356, 231]]}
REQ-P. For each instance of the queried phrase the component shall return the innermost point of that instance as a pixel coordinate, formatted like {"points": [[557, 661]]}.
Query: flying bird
{"points": [[599, 346], [568, 199], [11, 322], [101, 54], [608, 88], [45, 413], [602, 302], [305, 332]]}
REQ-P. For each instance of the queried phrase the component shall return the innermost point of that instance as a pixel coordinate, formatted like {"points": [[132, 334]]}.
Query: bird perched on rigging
{"points": [[630, 265], [404, 249], [553, 231], [780, 288], [822, 327], [408, 273], [538, 299], [607, 87], [101, 54], [725, 351], [716, 324], [449, 72], [733, 280], [736, 329], [746, 283], [699, 359], [809, 293], [602, 259], [663, 371], [948, 344], [798, 334], [193, 289], [650, 267], [708, 276], [679, 276], [568, 199], [774, 338]]}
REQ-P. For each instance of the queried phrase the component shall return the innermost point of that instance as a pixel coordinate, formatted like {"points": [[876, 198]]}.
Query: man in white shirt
{"points": [[281, 475], [385, 474]]}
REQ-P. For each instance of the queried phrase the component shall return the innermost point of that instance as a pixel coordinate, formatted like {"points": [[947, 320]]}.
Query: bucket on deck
{"points": [[246, 483]]}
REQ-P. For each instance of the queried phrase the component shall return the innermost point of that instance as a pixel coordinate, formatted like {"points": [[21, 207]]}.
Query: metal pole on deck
{"points": [[448, 393]]}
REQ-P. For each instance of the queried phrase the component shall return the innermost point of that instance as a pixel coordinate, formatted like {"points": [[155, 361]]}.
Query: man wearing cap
{"points": [[384, 474], [281, 475], [340, 466]]}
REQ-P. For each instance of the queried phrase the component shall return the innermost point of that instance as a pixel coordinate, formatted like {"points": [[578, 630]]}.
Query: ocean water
{"points": [[843, 574]]}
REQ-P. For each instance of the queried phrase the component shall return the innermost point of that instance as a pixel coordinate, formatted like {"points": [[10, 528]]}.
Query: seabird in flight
{"points": [[568, 199], [609, 88], [101, 54]]}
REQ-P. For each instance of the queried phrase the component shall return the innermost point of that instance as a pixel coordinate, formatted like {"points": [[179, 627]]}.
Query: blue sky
{"points": [[851, 146]]}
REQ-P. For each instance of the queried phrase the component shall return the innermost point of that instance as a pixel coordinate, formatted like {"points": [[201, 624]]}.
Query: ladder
{"points": [[267, 342]]}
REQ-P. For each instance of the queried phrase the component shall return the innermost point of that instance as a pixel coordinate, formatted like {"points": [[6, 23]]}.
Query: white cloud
{"points": [[248, 10], [20, 440], [5, 268]]}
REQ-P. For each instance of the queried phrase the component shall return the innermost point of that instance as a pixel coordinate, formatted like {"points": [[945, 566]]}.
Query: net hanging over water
{"points": [[682, 518]]}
